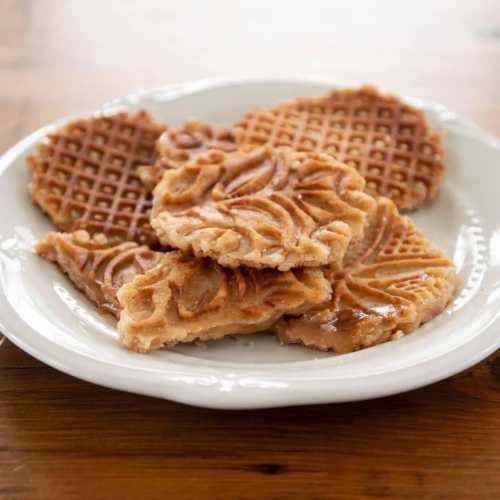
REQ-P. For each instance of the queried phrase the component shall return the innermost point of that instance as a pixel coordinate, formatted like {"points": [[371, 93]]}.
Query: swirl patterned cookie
{"points": [[176, 146], [391, 283], [262, 207], [167, 298], [97, 266], [184, 299]]}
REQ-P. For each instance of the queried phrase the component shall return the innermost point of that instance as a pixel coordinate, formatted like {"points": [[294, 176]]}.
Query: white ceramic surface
{"points": [[42, 313]]}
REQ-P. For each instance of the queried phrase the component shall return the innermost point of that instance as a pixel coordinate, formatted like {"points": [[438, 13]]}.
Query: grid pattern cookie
{"points": [[97, 266], [186, 299], [264, 207], [391, 283], [176, 146], [388, 141], [84, 176]]}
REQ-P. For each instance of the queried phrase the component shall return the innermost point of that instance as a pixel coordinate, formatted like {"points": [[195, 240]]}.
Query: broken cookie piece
{"points": [[390, 283], [176, 146], [184, 299], [96, 265]]}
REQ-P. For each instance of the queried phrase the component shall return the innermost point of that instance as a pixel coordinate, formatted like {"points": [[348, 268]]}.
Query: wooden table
{"points": [[63, 438]]}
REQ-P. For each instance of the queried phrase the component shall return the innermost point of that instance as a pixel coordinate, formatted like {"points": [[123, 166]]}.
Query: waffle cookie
{"points": [[185, 299], [389, 142], [390, 284], [176, 146], [97, 266], [262, 208], [84, 176]]}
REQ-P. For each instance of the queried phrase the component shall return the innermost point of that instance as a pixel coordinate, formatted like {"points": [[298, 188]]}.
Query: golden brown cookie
{"points": [[176, 146], [84, 176], [262, 208], [185, 299], [97, 266], [386, 140], [390, 284]]}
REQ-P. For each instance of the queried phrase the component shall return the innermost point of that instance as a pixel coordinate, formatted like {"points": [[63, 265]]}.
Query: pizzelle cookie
{"points": [[262, 207], [388, 141], [390, 284], [84, 176], [176, 146], [96, 265], [172, 298], [185, 299]]}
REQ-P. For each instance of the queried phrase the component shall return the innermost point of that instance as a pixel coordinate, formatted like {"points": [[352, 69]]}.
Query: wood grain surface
{"points": [[63, 438]]}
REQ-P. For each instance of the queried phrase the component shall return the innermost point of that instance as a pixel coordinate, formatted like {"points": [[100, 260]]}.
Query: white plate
{"points": [[41, 312]]}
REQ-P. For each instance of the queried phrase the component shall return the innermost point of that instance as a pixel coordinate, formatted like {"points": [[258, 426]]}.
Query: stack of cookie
{"points": [[286, 222]]}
